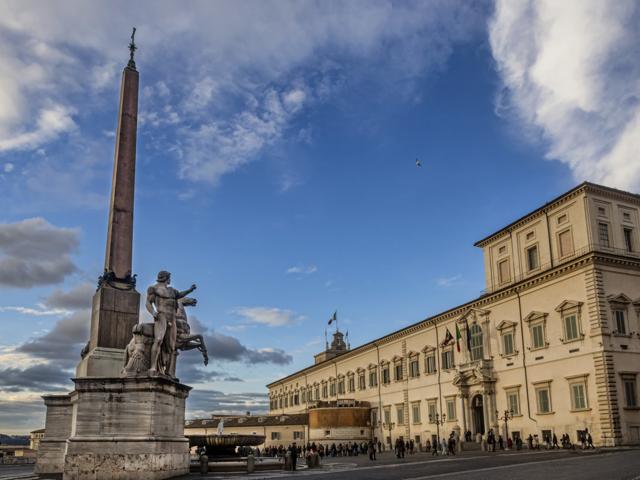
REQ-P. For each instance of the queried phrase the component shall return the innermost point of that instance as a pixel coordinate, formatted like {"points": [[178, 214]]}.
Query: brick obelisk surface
{"points": [[116, 304]]}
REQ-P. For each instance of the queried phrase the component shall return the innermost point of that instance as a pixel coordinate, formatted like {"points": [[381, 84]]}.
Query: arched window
{"points": [[477, 351]]}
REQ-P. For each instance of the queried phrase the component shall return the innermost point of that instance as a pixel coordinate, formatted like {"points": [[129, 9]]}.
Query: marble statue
{"points": [[136, 355], [162, 304]]}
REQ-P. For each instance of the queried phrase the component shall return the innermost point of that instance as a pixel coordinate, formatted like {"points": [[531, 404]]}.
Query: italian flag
{"points": [[458, 337]]}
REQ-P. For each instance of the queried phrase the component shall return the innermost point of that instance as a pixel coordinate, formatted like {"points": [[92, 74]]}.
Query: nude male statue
{"points": [[165, 299]]}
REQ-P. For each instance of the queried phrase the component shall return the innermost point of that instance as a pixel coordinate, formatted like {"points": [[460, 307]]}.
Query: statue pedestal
{"points": [[116, 308], [58, 428], [127, 428]]}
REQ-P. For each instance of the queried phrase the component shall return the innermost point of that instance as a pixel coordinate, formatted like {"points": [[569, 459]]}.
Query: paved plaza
{"points": [[619, 464]]}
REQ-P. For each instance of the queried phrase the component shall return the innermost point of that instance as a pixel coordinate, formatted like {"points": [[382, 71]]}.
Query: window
{"points": [[432, 410], [332, 388], [414, 367], [373, 377], [304, 396], [385, 375], [415, 412], [603, 234], [579, 395], [571, 331], [626, 216], [286, 402], [630, 389], [537, 336], [361, 381], [621, 325], [543, 394], [477, 351], [387, 415], [532, 258], [502, 250], [562, 219], [513, 401], [297, 435], [447, 359], [397, 367], [430, 363], [374, 417], [531, 235], [400, 413], [565, 243], [352, 383], [296, 399], [507, 343], [504, 272], [275, 435], [324, 390], [628, 238], [341, 386], [451, 409], [316, 395], [602, 211]]}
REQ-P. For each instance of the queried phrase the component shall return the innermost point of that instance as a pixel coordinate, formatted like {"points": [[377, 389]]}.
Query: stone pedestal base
{"points": [[127, 428], [101, 362], [57, 430]]}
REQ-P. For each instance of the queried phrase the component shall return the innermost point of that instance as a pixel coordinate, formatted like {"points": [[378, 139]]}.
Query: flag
{"points": [[334, 318], [447, 338], [466, 323], [458, 337]]}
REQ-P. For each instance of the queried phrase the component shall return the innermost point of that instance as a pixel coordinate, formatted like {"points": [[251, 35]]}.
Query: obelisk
{"points": [[116, 303]]}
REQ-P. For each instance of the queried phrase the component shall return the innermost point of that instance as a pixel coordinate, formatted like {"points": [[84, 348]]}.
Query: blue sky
{"points": [[276, 165]]}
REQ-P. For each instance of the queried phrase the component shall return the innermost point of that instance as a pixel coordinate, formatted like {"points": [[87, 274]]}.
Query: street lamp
{"points": [[508, 415], [438, 420]]}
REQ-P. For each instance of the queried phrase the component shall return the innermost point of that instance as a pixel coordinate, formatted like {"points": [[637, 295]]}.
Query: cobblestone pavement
{"points": [[524, 465], [609, 465]]}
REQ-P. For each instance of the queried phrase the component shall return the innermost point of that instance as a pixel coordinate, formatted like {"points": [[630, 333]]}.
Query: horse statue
{"points": [[186, 341]]}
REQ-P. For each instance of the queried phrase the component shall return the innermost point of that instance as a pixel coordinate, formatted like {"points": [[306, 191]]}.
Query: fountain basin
{"points": [[225, 444]]}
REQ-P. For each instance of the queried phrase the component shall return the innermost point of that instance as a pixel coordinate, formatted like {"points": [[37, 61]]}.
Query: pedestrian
{"points": [[589, 440], [530, 442], [372, 451], [509, 443], [443, 446], [500, 442], [452, 444], [555, 442], [435, 447]]}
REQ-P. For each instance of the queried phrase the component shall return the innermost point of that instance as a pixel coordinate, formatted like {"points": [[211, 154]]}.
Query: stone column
{"points": [[116, 303], [485, 412], [464, 397], [57, 429], [120, 228]]}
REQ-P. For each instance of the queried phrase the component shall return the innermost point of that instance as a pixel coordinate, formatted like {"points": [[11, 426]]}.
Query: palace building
{"points": [[551, 346]]}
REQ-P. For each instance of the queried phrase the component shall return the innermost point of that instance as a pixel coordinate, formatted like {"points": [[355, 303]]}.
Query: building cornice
{"points": [[585, 187]]}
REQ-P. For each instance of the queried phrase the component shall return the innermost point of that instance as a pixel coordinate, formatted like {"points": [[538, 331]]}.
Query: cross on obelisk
{"points": [[116, 303]]}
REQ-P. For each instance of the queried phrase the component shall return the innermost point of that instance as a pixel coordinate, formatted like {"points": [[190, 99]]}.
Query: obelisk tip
{"points": [[132, 50]]}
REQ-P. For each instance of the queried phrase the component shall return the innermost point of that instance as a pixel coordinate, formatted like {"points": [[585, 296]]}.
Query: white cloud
{"points": [[270, 316], [236, 75], [52, 121], [8, 167], [41, 311], [303, 269], [448, 281], [571, 76]]}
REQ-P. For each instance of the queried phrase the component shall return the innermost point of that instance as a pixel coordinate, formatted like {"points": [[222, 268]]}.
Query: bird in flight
{"points": [[418, 163]]}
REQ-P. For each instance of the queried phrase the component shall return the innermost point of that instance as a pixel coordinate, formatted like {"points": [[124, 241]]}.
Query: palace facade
{"points": [[553, 342]]}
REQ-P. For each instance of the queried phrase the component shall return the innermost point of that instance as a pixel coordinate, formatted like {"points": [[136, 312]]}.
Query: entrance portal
{"points": [[477, 412]]}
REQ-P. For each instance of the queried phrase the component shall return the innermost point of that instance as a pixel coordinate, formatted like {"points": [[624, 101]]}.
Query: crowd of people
{"points": [[445, 446]]}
